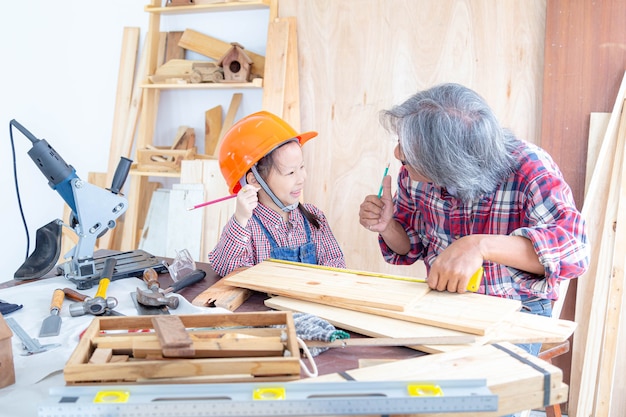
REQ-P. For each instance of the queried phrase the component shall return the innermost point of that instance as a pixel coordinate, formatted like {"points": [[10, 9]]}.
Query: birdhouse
{"points": [[7, 369], [236, 64]]}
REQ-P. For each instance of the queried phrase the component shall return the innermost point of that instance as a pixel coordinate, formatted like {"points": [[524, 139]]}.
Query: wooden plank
{"points": [[222, 295], [598, 124], [122, 114], [520, 387], [596, 211], [172, 49], [329, 286], [291, 93], [214, 48], [276, 52], [154, 235], [230, 117], [123, 95], [207, 172], [212, 130], [373, 325], [611, 302], [173, 338], [184, 227]]}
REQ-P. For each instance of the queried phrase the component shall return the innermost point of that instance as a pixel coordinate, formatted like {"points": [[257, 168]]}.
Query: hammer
{"points": [[100, 304], [154, 298]]}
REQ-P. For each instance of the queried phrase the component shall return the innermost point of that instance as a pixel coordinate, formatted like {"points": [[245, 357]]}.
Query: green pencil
{"points": [[380, 191]]}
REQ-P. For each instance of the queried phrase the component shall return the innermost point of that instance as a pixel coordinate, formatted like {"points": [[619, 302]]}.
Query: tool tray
{"points": [[201, 348]]}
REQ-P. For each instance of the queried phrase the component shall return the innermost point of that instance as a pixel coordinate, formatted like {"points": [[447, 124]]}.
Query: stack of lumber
{"points": [[381, 306], [600, 292]]}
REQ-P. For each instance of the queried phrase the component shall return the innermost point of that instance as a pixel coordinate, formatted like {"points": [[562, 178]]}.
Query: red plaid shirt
{"points": [[239, 246], [534, 202]]}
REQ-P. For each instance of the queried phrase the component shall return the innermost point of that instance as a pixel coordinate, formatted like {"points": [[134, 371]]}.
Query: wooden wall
{"points": [[358, 57], [585, 60]]}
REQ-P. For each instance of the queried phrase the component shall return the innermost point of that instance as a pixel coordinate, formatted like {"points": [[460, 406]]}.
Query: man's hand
{"points": [[375, 213], [454, 267]]}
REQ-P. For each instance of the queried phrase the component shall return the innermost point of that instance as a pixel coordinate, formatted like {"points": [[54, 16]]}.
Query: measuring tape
{"points": [[271, 399], [472, 285]]}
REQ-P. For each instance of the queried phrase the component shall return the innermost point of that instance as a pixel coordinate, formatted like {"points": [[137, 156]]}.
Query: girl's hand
{"points": [[247, 200]]}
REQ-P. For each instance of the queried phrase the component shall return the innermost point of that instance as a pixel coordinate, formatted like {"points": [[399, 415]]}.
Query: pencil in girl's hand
{"points": [[212, 202], [380, 191]]}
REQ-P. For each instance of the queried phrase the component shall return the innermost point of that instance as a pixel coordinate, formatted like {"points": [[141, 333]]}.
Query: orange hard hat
{"points": [[249, 140]]}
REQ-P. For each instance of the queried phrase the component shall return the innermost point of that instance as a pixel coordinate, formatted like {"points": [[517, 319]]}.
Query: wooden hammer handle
{"points": [[74, 295], [151, 277]]}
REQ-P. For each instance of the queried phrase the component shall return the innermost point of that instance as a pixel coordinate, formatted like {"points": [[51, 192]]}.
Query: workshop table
{"points": [[334, 360]]}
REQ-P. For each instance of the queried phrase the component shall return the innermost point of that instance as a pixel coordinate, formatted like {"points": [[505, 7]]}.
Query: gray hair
{"points": [[450, 135]]}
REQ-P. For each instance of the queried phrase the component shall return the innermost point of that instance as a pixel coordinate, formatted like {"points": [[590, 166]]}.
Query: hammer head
{"points": [[156, 299], [95, 306]]}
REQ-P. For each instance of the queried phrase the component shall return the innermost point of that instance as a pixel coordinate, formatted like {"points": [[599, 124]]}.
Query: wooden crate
{"points": [[163, 159], [7, 368], [235, 347]]}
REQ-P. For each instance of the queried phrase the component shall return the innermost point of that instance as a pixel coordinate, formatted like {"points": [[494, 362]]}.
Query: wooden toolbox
{"points": [[200, 348]]}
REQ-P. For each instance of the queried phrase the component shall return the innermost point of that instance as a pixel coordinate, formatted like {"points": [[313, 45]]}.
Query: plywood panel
{"points": [[358, 57]]}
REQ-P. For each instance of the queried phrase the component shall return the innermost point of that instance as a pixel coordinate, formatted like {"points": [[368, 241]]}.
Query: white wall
{"points": [[59, 76]]}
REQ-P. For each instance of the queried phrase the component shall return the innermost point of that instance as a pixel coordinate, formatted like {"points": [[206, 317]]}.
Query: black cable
{"points": [[17, 191]]}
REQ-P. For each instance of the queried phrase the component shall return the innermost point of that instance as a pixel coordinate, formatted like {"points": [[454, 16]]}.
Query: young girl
{"points": [[261, 160]]}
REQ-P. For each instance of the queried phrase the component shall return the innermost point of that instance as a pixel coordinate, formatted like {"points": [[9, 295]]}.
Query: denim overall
{"points": [[304, 254]]}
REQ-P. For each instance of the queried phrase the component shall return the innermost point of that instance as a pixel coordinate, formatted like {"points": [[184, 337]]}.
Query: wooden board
{"points": [[184, 227], [215, 216], [409, 301], [329, 287], [214, 48], [519, 385], [222, 295], [212, 129], [281, 92], [154, 235], [518, 327]]}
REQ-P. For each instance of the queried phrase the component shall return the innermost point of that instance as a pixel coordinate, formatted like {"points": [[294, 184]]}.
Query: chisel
{"points": [[51, 326]]}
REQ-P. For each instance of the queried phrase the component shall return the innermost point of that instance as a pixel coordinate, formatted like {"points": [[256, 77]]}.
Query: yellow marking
{"points": [[275, 393], [111, 397], [424, 390]]}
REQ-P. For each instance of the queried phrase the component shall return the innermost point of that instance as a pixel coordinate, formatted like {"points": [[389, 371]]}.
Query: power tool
{"points": [[94, 212]]}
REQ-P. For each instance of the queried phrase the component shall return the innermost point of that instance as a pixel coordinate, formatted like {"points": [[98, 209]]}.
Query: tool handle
{"points": [[57, 299], [151, 277], [105, 277], [74, 295], [192, 278], [102, 288], [109, 267], [474, 282]]}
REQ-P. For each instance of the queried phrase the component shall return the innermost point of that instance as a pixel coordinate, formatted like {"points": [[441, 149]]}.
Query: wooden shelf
{"points": [[139, 173], [214, 7], [203, 86]]}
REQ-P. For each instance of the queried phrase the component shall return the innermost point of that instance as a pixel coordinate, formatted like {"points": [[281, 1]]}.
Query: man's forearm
{"points": [[396, 238]]}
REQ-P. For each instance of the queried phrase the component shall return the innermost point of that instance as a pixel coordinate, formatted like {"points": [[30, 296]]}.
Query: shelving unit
{"points": [[139, 188]]}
